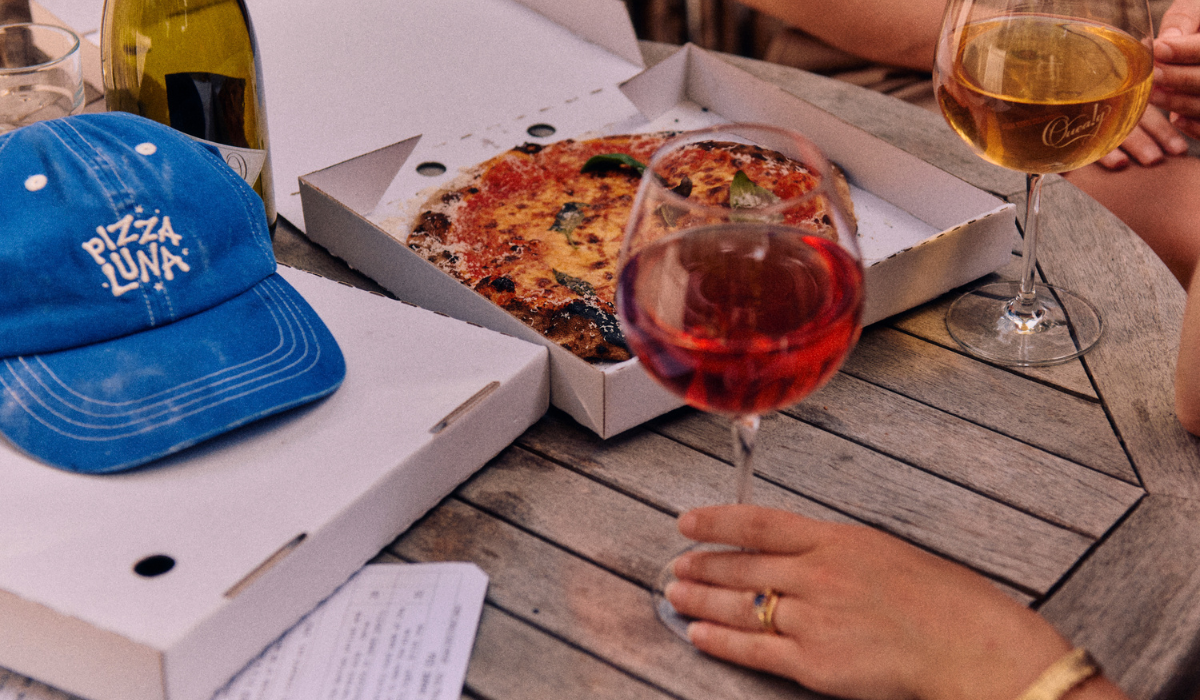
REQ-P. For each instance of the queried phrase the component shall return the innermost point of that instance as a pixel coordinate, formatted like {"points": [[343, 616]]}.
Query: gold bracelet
{"points": [[1075, 667]]}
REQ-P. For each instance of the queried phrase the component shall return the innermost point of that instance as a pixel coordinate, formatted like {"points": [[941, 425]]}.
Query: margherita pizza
{"points": [[538, 229]]}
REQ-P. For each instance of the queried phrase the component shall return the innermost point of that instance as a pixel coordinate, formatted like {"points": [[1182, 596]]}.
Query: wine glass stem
{"points": [[1025, 304], [1025, 312], [745, 430]]}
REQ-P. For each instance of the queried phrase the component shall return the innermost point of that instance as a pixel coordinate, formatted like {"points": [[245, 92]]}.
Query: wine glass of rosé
{"points": [[1039, 86], [740, 283]]}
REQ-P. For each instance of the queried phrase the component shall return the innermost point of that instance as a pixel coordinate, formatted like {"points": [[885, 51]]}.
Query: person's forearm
{"points": [[1096, 688], [897, 33], [1187, 365]]}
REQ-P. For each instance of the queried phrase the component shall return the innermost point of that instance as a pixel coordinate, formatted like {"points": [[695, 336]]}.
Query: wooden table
{"points": [[1073, 487]]}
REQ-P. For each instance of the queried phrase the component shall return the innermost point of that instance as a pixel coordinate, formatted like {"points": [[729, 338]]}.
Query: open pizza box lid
{"points": [[923, 231], [347, 78], [262, 523]]}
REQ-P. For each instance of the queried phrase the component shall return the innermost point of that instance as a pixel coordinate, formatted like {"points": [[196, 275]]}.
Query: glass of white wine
{"points": [[1039, 86]]}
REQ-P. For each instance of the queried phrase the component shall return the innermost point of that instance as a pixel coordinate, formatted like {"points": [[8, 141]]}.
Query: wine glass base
{"points": [[662, 607], [1065, 325]]}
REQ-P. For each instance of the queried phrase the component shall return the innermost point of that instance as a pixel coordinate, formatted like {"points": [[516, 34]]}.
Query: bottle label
{"points": [[246, 162], [211, 108]]}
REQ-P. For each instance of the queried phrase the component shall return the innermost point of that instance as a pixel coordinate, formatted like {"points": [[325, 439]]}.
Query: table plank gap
{"points": [[569, 509], [915, 505], [580, 604], [1065, 425], [599, 675], [979, 459], [928, 322], [533, 497], [986, 534], [1116, 526], [505, 642], [1088, 250], [565, 670], [1142, 641]]}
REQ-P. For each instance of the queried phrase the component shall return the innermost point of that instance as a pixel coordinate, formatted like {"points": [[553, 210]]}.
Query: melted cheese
{"points": [[501, 222]]}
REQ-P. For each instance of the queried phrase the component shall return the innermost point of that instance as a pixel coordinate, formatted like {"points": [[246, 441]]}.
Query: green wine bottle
{"points": [[193, 65]]}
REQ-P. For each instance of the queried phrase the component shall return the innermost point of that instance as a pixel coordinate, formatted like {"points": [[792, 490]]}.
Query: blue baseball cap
{"points": [[140, 310]]}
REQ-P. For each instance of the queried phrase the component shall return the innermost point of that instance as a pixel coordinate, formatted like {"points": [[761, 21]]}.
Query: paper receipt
{"points": [[392, 632]]}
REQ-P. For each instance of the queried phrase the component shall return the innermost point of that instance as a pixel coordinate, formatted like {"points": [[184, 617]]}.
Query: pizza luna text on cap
{"points": [[140, 312]]}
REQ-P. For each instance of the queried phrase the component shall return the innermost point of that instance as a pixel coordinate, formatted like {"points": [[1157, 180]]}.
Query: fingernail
{"points": [[1177, 146], [1157, 75], [1169, 32], [691, 632], [667, 590]]}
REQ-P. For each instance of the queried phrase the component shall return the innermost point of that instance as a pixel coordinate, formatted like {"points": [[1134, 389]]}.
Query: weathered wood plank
{"points": [[621, 534], [580, 603], [958, 523], [581, 514], [664, 473], [1062, 424], [515, 661], [929, 323], [504, 644], [1054, 489], [1087, 249], [1133, 603], [962, 525]]}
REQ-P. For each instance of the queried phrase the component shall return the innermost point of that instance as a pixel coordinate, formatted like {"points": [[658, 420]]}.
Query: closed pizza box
{"points": [[260, 524], [923, 231]]}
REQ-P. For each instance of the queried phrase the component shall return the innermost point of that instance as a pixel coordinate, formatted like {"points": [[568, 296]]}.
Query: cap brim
{"points": [[122, 403]]}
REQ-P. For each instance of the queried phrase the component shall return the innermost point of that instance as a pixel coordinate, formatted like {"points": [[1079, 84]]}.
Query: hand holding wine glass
{"points": [[740, 286], [1040, 86]]}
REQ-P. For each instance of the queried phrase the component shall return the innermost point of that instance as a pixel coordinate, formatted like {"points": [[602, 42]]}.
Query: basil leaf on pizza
{"points": [[537, 229], [744, 193], [612, 160], [580, 287], [567, 219]]}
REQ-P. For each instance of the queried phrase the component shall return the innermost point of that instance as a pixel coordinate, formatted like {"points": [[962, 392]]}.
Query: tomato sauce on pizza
{"points": [[539, 234]]}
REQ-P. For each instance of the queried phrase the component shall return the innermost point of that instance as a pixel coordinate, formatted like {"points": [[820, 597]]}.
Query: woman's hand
{"points": [[861, 614], [1177, 66], [1150, 142]]}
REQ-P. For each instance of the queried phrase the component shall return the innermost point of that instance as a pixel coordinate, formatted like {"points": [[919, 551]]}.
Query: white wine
{"points": [[193, 65], [1044, 94]]}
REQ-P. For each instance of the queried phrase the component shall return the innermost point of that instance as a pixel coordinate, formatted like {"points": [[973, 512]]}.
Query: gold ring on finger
{"points": [[764, 608]]}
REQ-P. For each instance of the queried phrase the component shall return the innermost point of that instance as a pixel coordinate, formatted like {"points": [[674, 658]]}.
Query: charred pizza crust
{"points": [[540, 238]]}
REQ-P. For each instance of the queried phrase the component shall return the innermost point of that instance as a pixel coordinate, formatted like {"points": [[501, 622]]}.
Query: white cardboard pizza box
{"points": [[923, 231], [262, 523], [347, 77]]}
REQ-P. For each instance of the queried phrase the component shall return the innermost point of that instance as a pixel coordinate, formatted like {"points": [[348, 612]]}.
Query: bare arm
{"points": [[1159, 203], [897, 33], [14, 11], [1187, 367]]}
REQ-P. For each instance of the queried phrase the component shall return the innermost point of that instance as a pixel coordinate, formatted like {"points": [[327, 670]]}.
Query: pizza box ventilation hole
{"points": [[922, 230], [254, 528]]}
